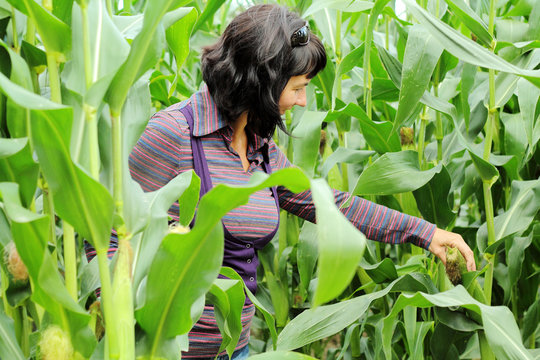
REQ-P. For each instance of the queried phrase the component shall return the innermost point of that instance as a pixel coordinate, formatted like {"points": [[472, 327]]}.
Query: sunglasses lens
{"points": [[300, 36]]}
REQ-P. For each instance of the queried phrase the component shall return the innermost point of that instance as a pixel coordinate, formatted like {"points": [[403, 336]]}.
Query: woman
{"points": [[258, 69]]}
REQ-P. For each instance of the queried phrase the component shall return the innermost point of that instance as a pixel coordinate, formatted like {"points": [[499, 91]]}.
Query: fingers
{"points": [[442, 255], [466, 251], [442, 239], [437, 248], [468, 254]]}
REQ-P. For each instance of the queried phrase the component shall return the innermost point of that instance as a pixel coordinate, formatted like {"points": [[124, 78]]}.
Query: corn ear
{"points": [[455, 265], [55, 344]]}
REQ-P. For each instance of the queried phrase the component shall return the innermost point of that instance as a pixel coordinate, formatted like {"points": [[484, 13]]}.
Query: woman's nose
{"points": [[301, 99]]}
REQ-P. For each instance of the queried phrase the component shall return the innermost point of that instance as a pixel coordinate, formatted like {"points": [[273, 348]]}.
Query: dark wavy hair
{"points": [[250, 64]]}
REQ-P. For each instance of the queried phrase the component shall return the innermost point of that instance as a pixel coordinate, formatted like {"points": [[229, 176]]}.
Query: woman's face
{"points": [[294, 93]]}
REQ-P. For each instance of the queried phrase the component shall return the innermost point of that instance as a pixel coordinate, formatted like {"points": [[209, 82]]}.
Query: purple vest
{"points": [[239, 254]]}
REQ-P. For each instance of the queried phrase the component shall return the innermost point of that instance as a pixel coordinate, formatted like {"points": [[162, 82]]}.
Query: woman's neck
{"points": [[239, 140], [239, 125]]}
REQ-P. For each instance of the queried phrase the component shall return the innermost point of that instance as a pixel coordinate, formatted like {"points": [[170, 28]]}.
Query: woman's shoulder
{"points": [[171, 118], [278, 159]]}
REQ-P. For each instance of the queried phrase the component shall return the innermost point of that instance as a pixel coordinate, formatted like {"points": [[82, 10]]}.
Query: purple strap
{"points": [[199, 160], [201, 169]]}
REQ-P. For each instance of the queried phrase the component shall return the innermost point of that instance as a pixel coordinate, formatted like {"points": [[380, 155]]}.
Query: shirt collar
{"points": [[207, 119]]}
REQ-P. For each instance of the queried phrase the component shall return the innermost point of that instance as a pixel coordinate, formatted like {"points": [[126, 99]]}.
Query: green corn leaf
{"points": [[383, 271], [228, 298], [521, 8], [128, 26], [531, 319], [345, 155], [324, 321], [393, 173], [306, 140], [144, 52], [278, 286], [9, 347], [511, 30], [279, 355], [432, 199], [35, 57], [384, 89], [393, 67], [457, 320], [373, 16], [108, 50], [534, 22], [465, 49], [522, 45], [170, 291], [269, 319], [30, 234], [421, 55], [524, 206], [16, 116], [499, 325], [307, 253], [189, 200], [178, 35], [18, 166], [212, 6], [467, 81], [415, 332], [515, 250], [341, 245], [62, 9], [55, 34], [528, 98], [505, 83], [487, 171], [325, 80], [152, 218], [442, 342], [222, 308], [317, 323], [79, 199], [349, 62], [135, 115], [379, 135], [341, 5], [471, 20], [515, 133]]}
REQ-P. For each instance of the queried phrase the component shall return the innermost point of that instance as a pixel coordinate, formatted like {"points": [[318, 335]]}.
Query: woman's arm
{"points": [[375, 221], [156, 158]]}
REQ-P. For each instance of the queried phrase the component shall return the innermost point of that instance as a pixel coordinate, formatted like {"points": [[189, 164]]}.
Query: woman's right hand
{"points": [[442, 239]]}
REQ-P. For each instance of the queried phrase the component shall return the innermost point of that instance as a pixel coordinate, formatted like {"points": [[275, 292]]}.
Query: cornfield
{"points": [[430, 107]]}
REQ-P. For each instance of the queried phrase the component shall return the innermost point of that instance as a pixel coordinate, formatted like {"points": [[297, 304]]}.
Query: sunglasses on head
{"points": [[301, 36]]}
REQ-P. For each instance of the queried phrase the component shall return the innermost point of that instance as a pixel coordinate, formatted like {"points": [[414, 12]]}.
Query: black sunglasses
{"points": [[301, 36]]}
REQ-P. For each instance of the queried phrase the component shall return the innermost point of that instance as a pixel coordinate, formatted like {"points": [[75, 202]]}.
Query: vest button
{"points": [[249, 261], [248, 246], [252, 279]]}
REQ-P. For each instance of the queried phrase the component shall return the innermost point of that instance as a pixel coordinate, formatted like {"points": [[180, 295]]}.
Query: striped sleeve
{"points": [[375, 221], [156, 158]]}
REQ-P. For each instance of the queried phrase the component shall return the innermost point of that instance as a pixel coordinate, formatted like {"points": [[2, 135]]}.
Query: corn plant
{"points": [[433, 112]]}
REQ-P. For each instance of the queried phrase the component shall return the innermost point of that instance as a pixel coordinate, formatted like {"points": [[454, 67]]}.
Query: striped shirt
{"points": [[164, 151]]}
